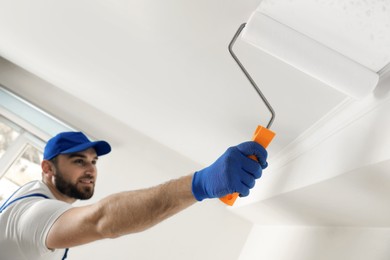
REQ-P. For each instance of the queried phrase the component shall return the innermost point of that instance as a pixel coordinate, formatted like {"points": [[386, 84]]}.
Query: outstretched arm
{"points": [[134, 211], [121, 213]]}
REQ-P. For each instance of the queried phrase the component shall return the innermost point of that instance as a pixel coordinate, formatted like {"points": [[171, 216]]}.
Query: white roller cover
{"points": [[309, 56]]}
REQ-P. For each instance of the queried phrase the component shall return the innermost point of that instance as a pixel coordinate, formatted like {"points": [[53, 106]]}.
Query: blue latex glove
{"points": [[232, 172]]}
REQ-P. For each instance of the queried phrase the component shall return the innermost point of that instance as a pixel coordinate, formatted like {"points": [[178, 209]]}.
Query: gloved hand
{"points": [[232, 172]]}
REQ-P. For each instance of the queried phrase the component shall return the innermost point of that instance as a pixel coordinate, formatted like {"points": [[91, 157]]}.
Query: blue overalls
{"points": [[6, 204]]}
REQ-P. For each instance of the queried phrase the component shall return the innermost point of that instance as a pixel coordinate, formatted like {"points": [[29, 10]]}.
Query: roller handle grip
{"points": [[261, 136]]}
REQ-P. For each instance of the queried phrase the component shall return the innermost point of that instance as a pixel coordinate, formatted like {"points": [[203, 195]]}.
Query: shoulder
{"points": [[34, 187]]}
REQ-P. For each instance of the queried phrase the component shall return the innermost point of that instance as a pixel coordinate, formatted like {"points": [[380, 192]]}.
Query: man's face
{"points": [[75, 174]]}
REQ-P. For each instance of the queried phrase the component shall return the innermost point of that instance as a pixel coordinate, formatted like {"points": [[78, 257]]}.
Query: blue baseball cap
{"points": [[72, 142]]}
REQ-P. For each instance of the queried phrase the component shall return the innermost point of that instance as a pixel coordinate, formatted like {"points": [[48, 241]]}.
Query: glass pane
{"points": [[25, 169], [7, 136]]}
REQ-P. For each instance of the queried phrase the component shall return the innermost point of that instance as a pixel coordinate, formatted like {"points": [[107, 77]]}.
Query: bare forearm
{"points": [[134, 211]]}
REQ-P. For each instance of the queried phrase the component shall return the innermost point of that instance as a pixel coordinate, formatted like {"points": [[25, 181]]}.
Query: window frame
{"points": [[34, 126]]}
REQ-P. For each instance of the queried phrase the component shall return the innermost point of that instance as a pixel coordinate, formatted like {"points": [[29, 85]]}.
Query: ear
{"points": [[47, 168]]}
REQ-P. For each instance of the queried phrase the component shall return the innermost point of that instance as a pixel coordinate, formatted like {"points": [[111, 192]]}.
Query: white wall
{"points": [[317, 243]]}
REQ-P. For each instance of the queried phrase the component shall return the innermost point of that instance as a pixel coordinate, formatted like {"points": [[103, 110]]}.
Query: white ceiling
{"points": [[163, 68]]}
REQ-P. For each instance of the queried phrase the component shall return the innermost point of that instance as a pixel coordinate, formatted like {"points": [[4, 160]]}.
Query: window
{"points": [[23, 132], [7, 136], [20, 156]]}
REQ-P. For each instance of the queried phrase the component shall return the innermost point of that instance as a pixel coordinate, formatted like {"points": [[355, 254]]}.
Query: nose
{"points": [[90, 169]]}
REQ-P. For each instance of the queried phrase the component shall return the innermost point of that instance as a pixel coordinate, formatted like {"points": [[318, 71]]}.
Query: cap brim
{"points": [[101, 148]]}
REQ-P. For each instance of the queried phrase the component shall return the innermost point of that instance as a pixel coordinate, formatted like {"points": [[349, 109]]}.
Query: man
{"points": [[39, 222]]}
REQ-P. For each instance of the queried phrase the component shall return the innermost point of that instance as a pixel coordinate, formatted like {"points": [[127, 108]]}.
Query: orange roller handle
{"points": [[261, 136]]}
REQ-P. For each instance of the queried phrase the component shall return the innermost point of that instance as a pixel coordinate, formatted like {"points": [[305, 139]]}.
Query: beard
{"points": [[70, 189]]}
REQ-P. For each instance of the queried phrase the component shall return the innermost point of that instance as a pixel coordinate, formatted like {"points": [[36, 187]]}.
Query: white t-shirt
{"points": [[24, 224]]}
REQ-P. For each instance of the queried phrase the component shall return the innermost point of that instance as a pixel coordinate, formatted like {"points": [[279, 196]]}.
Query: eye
{"points": [[79, 161]]}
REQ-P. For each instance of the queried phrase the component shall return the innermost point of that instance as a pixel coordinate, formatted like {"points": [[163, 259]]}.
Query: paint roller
{"points": [[306, 55], [309, 56]]}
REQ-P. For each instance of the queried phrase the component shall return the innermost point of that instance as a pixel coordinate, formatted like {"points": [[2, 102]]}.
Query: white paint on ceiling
{"points": [[358, 29]]}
